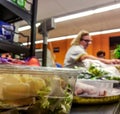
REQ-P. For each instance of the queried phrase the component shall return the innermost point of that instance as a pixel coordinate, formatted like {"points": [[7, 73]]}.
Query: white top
{"points": [[73, 55]]}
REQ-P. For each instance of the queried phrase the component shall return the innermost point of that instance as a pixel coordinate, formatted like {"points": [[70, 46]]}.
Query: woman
{"points": [[77, 56], [77, 52]]}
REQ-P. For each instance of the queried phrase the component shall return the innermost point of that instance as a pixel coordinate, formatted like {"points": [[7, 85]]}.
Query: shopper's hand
{"points": [[115, 61], [108, 61]]}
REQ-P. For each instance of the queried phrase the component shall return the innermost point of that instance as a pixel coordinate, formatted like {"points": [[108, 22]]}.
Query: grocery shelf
{"points": [[12, 13], [12, 47]]}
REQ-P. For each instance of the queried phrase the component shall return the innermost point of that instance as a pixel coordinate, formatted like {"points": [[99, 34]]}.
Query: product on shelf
{"points": [[6, 31], [20, 3]]}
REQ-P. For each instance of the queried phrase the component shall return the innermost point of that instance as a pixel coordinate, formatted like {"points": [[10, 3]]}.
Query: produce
{"points": [[17, 86], [56, 104], [37, 89], [117, 52], [99, 71], [50, 95]]}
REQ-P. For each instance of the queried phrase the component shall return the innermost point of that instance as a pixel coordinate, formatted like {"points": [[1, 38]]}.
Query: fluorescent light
{"points": [[38, 24], [78, 15], [24, 28], [61, 38], [73, 36], [54, 39], [73, 16], [107, 8], [27, 27], [105, 32], [86, 13]]}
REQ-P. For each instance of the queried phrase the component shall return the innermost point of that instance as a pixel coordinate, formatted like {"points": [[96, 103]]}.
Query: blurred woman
{"points": [[77, 52]]}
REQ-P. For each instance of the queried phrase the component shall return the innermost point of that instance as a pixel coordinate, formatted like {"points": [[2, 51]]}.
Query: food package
{"points": [[89, 92], [97, 88], [46, 88]]}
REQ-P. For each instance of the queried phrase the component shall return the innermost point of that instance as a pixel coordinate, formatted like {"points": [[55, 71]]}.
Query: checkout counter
{"points": [[112, 108]]}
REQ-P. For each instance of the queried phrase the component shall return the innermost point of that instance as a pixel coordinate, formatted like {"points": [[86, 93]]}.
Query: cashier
{"points": [[77, 52]]}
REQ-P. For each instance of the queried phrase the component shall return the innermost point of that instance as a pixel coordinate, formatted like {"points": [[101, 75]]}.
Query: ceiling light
{"points": [[86, 13], [77, 15], [74, 16], [107, 8], [54, 39], [38, 24], [27, 27], [73, 36], [105, 32], [23, 28]]}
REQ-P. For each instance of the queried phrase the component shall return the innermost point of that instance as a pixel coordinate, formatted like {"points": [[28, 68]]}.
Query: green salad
{"points": [[55, 104]]}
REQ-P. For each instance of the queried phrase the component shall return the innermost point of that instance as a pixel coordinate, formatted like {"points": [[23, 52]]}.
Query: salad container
{"points": [[36, 90]]}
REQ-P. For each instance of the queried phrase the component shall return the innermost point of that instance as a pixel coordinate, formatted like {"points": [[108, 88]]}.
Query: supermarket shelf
{"points": [[6, 46], [10, 12]]}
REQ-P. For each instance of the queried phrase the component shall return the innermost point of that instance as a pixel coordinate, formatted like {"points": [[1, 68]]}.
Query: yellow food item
{"points": [[35, 85], [18, 86], [15, 91], [10, 78]]}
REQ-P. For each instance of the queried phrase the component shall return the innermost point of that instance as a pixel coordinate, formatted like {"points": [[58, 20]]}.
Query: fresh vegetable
{"points": [[55, 104], [97, 71], [117, 52]]}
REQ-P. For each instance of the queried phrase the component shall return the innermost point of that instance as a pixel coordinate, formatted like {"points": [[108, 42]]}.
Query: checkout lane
{"points": [[98, 108], [112, 108]]}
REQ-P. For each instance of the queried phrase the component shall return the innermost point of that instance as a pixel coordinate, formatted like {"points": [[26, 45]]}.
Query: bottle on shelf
{"points": [[15, 1], [21, 3]]}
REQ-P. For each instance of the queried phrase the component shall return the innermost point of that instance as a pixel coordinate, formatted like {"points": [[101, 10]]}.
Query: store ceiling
{"points": [[56, 8], [95, 22]]}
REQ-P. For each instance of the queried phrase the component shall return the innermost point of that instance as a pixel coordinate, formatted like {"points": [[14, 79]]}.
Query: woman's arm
{"points": [[106, 61]]}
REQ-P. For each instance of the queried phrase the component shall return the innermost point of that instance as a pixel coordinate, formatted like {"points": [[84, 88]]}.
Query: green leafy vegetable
{"points": [[117, 52], [97, 71], [55, 104]]}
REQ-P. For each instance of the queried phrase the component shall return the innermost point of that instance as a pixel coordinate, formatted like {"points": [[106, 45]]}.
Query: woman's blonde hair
{"points": [[76, 41]]}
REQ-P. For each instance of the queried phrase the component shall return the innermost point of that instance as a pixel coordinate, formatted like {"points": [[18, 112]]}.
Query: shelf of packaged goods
{"points": [[14, 48], [10, 12]]}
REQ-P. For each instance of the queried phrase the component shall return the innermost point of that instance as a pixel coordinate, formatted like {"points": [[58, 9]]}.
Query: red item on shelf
{"points": [[33, 61]]}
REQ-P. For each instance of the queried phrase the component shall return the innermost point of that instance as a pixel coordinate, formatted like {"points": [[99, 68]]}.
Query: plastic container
{"points": [[106, 85], [38, 89]]}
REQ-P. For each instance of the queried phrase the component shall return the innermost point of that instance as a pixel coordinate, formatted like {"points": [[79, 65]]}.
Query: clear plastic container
{"points": [[100, 85], [42, 89]]}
